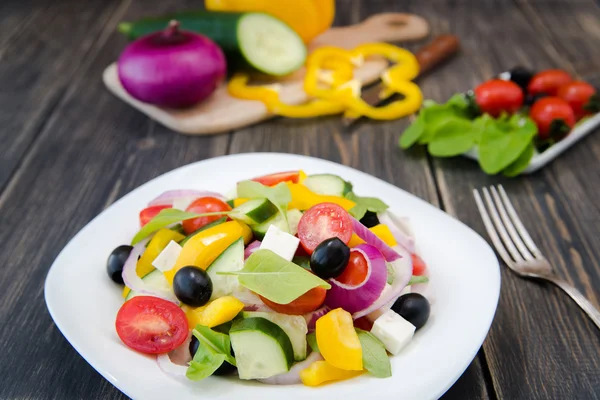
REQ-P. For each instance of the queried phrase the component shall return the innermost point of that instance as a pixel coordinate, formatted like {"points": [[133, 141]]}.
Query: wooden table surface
{"points": [[70, 149]]}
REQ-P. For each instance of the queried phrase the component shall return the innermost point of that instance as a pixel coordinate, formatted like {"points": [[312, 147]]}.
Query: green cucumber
{"points": [[262, 349], [291, 227], [293, 325], [254, 211], [328, 184], [232, 259], [153, 280], [205, 227], [263, 41], [230, 203]]}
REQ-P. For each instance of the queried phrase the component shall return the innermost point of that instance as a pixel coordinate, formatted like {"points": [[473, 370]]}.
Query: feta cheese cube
{"points": [[280, 243], [394, 331], [167, 258]]}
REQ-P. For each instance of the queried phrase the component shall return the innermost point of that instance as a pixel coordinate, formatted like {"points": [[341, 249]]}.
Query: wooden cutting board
{"points": [[222, 113]]}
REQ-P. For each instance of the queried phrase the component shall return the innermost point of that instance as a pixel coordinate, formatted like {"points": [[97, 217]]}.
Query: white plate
{"points": [[465, 280]]}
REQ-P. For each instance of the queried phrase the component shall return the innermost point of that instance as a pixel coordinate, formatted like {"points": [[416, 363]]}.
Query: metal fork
{"points": [[516, 247]]}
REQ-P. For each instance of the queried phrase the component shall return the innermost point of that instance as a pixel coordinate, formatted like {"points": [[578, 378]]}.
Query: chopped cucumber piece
{"points": [[232, 259], [153, 280], [328, 184], [254, 211], [293, 325], [291, 227], [262, 349]]}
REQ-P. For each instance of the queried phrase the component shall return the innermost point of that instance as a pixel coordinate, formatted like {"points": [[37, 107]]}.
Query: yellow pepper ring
{"points": [[407, 66]]}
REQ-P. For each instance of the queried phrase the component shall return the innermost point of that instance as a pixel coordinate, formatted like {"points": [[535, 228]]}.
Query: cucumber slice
{"points": [[254, 211], [328, 184], [262, 349], [230, 203], [293, 325], [153, 280], [291, 227], [232, 259]]}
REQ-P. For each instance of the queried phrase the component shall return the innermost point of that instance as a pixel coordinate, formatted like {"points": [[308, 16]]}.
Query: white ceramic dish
{"points": [[465, 281]]}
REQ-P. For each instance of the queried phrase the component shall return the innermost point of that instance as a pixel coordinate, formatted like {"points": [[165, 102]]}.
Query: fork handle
{"points": [[584, 303]]}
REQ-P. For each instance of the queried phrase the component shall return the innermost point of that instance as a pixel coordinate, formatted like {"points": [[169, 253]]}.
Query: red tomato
{"points": [[363, 323], [201, 206], [324, 221], [497, 96], [356, 270], [306, 303], [553, 116], [548, 82], [579, 94], [151, 325], [147, 214], [419, 266], [274, 179]]}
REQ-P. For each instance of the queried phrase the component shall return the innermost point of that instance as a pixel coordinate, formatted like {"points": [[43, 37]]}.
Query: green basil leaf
{"points": [[364, 204], [412, 134], [279, 194], [453, 138], [214, 348], [275, 278], [521, 163], [417, 279], [219, 342], [311, 338], [358, 211], [436, 116], [375, 358]]}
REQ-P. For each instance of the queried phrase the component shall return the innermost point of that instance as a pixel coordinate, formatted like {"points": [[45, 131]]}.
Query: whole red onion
{"points": [[172, 68]]}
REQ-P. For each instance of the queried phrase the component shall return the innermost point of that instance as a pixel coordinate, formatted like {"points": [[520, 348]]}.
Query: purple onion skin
{"points": [[172, 68]]}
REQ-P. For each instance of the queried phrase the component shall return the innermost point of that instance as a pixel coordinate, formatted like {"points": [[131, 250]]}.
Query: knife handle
{"points": [[439, 50]]}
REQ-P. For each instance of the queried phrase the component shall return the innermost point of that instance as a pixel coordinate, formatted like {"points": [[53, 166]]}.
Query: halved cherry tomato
{"points": [[324, 221], [548, 82], [356, 270], [201, 206], [363, 323], [419, 266], [306, 303], [151, 325], [274, 179], [497, 96], [553, 117], [147, 214], [581, 96]]}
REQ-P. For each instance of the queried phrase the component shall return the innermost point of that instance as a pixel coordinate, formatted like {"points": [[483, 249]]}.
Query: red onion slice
{"points": [[181, 355], [399, 229], [365, 234], [170, 368], [356, 298], [167, 198], [312, 317], [252, 247], [292, 377], [251, 301]]}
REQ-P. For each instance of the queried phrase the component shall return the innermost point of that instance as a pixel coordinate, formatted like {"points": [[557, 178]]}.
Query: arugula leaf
{"points": [[417, 279], [165, 218], [453, 138], [412, 134], [311, 338], [521, 163], [375, 358], [279, 194], [275, 278], [364, 204], [214, 349]]}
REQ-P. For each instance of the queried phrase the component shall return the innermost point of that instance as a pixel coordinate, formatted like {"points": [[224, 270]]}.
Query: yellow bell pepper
{"points": [[303, 198], [381, 231], [159, 241], [238, 202], [302, 176], [203, 248], [338, 342], [321, 371], [215, 313], [355, 240], [246, 232]]}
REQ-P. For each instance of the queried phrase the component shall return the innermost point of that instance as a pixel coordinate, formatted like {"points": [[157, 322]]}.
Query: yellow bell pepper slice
{"points": [[159, 241], [203, 248], [246, 232], [238, 202], [321, 371], [355, 240], [338, 342], [215, 313], [303, 198], [382, 231], [302, 176]]}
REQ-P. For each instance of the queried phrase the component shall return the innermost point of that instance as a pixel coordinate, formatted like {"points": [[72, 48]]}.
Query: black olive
{"points": [[369, 219], [414, 308], [224, 369], [116, 261], [330, 258], [192, 286], [529, 99], [521, 76]]}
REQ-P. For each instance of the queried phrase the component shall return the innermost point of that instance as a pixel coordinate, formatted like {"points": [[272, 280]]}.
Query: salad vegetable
{"points": [[281, 283]]}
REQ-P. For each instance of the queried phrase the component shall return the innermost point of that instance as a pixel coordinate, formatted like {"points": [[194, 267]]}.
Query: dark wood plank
{"points": [[541, 345], [92, 150]]}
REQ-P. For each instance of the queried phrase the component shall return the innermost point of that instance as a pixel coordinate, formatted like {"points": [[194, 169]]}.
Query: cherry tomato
{"points": [[356, 270], [151, 325], [274, 179], [419, 266], [497, 96], [201, 206], [578, 94], [147, 214], [363, 323], [548, 82], [324, 221], [553, 117], [306, 303]]}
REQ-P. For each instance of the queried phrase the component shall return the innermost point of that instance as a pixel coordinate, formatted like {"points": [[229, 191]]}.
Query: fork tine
{"points": [[510, 227], [518, 224], [500, 227], [489, 227]]}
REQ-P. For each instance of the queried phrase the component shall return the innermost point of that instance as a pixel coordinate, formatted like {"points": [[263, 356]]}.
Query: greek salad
{"points": [[291, 279]]}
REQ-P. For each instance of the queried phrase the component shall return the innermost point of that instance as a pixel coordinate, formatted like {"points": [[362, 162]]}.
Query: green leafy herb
{"points": [[417, 279], [375, 358], [364, 204], [521, 163], [453, 138], [412, 134], [214, 349], [275, 278], [205, 227], [165, 218], [311, 338], [279, 194]]}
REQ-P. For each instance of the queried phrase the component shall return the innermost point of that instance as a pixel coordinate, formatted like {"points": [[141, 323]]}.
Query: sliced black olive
{"points": [[224, 369], [370, 219], [116, 261], [414, 308], [192, 286], [330, 258], [521, 76], [529, 99]]}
